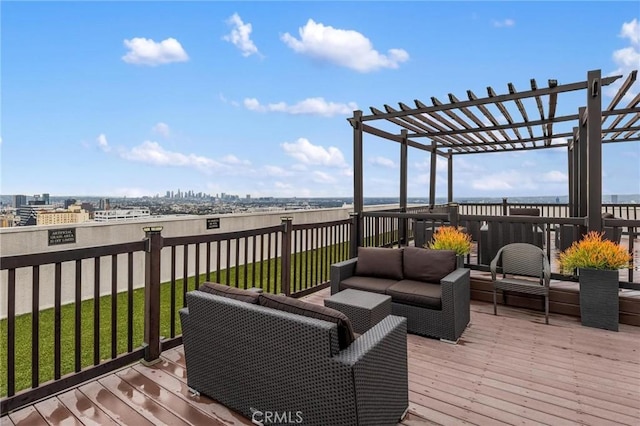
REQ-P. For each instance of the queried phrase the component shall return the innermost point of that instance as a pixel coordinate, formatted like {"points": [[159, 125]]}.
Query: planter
{"points": [[460, 260], [599, 306]]}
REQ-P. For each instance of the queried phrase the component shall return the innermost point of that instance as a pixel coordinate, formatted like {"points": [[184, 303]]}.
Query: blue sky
{"points": [[137, 98]]}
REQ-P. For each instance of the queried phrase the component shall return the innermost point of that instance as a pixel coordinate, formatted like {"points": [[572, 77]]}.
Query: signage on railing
{"points": [[213, 223], [62, 236]]}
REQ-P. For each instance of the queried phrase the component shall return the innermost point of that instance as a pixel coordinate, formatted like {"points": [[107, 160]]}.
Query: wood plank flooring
{"points": [[506, 369]]}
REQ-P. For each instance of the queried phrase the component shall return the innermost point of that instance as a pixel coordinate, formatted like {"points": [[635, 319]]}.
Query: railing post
{"points": [[354, 235], [454, 215], [504, 206], [285, 271], [153, 247]]}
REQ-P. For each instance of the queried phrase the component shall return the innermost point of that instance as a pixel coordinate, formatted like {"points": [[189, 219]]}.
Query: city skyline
{"points": [[251, 98]]}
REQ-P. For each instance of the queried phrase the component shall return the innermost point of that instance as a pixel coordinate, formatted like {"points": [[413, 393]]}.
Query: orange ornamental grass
{"points": [[595, 253], [450, 238]]}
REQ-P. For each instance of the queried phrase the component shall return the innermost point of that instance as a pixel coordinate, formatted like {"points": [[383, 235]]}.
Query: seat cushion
{"points": [[372, 284], [421, 264], [300, 307], [417, 293], [230, 292], [379, 262]]}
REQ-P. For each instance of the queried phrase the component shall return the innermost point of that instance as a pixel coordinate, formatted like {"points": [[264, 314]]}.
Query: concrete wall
{"points": [[34, 239]]}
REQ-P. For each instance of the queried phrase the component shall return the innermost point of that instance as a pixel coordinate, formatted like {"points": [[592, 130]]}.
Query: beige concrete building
{"points": [[75, 214]]}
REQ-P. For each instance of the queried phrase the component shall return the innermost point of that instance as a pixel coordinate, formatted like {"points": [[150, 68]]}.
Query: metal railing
{"points": [[290, 259]]}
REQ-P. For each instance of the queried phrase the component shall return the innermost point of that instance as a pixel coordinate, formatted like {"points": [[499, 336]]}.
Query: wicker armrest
{"points": [[456, 300], [386, 332], [341, 271], [456, 288], [378, 360]]}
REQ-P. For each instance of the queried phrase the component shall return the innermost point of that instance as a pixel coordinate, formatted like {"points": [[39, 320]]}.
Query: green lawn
{"points": [[305, 261]]}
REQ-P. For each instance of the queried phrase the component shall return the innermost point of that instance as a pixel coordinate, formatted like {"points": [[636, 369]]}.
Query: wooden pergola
{"points": [[469, 127]]}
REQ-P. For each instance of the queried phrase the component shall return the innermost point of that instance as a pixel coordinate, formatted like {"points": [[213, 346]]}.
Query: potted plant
{"points": [[451, 238], [597, 261]]}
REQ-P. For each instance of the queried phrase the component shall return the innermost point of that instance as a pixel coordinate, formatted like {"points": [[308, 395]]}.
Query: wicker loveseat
{"points": [[277, 366], [425, 286]]}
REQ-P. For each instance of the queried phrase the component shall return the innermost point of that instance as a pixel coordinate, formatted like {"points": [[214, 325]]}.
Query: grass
{"points": [[264, 277]]}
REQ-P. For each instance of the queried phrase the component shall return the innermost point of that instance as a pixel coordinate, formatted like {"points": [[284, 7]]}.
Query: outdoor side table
{"points": [[364, 309]]}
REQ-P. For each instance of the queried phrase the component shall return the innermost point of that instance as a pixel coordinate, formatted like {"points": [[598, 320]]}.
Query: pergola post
{"points": [[432, 175], [402, 225], [574, 174], [594, 151], [358, 170], [582, 168], [570, 175], [450, 176]]}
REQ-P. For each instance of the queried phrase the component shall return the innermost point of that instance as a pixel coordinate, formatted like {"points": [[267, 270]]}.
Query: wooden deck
{"points": [[506, 369]]}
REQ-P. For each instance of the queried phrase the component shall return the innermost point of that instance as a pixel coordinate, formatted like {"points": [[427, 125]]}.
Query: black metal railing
{"points": [[290, 259]]}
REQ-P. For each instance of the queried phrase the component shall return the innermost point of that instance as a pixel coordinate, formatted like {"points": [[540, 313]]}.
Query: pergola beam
{"points": [[501, 98]]}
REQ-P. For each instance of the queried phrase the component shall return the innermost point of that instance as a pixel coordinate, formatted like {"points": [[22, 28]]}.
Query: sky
{"points": [[252, 98]]}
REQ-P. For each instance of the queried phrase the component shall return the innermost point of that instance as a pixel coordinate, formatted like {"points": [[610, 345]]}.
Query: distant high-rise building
{"points": [[68, 202], [19, 200], [104, 204], [248, 196], [168, 194], [45, 197]]}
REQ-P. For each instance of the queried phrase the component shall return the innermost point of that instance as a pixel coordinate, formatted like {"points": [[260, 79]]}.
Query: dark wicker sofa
{"points": [[268, 363], [425, 286]]}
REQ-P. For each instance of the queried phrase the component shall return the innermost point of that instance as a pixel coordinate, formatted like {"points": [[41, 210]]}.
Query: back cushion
{"points": [[421, 264], [379, 262], [300, 307], [230, 292]]}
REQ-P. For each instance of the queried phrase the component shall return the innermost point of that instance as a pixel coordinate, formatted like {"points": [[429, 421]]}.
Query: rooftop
{"points": [[506, 369]]}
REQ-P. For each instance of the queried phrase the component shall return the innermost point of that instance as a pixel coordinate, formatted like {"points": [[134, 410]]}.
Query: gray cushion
{"points": [[416, 293], [379, 262], [230, 292], [300, 307], [428, 265], [372, 284]]}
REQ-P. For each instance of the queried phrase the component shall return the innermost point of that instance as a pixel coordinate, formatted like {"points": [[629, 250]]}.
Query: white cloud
{"points": [[282, 185], [554, 176], [627, 58], [299, 167], [152, 153], [345, 48], [103, 144], [276, 171], [442, 165], [240, 36], [310, 106], [143, 51], [162, 129], [383, 162], [631, 30], [504, 23], [322, 177], [232, 159], [307, 153], [506, 180]]}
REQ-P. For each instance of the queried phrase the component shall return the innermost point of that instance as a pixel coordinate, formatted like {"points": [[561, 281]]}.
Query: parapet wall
{"points": [[34, 239]]}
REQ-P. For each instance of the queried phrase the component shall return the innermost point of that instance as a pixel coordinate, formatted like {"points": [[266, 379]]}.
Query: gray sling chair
{"points": [[519, 261]]}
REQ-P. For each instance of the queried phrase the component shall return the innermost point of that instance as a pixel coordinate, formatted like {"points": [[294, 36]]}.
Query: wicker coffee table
{"points": [[364, 309]]}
